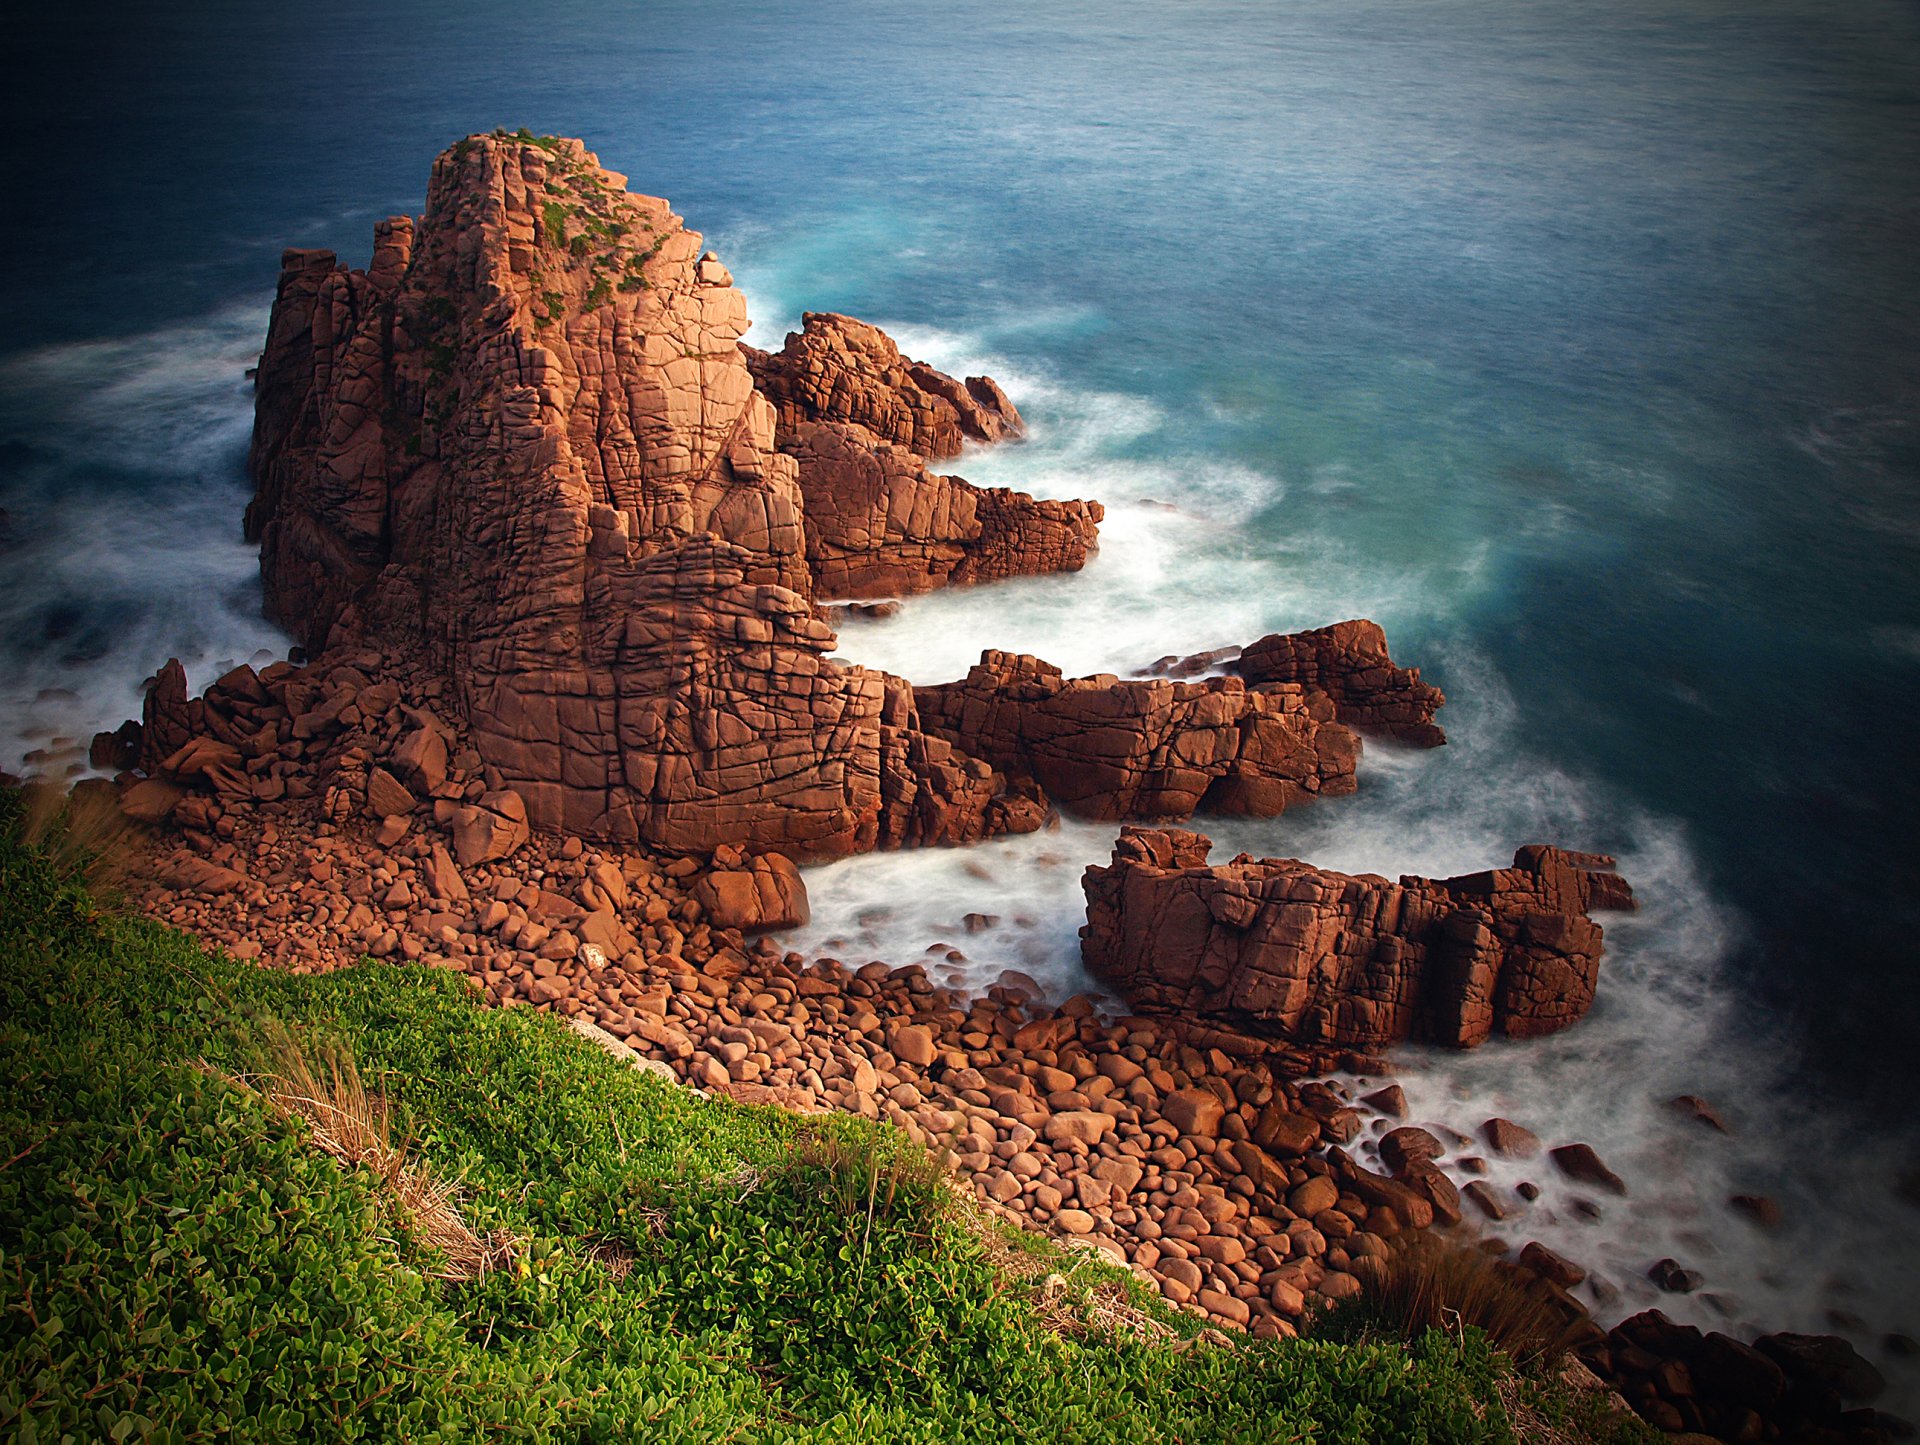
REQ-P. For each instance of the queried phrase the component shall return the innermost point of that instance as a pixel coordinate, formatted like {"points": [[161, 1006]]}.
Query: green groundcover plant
{"points": [[179, 1261]]}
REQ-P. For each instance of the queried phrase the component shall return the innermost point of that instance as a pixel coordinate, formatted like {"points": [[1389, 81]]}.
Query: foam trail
{"points": [[122, 478], [1667, 1020]]}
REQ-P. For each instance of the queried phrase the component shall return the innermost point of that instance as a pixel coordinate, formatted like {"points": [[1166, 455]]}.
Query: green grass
{"points": [[179, 1263]]}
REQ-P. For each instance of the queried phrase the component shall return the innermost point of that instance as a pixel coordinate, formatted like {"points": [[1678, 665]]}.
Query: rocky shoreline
{"points": [[562, 549]]}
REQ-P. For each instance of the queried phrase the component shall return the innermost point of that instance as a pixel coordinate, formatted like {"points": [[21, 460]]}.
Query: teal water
{"points": [[1576, 345]]}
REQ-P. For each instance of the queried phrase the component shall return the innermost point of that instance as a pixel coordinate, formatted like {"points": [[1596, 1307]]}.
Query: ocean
{"points": [[1578, 346]]}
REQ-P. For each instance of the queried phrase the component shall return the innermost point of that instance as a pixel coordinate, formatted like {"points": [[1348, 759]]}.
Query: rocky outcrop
{"points": [[524, 451], [879, 523], [838, 369], [1111, 748], [1347, 664], [1321, 957]]}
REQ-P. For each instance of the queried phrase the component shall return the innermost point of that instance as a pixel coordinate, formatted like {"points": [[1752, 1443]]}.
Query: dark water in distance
{"points": [[1578, 345]]}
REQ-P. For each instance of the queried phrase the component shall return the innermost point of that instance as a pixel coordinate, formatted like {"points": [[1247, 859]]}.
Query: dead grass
{"points": [[323, 1089], [83, 835], [1429, 1284], [1072, 1296]]}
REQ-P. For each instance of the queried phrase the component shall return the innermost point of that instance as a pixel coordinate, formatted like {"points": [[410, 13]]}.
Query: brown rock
{"points": [[1286, 1132], [837, 369], [523, 452], [767, 895], [1315, 1196], [1348, 663], [1579, 1161], [1319, 956], [1550, 1266], [1391, 1101], [1194, 1111], [1105, 747], [494, 828], [1406, 1146], [1077, 1126], [1508, 1140], [912, 1044], [879, 522], [386, 797]]}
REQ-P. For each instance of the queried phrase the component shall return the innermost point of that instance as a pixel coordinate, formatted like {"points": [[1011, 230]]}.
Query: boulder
{"points": [[1323, 957], [838, 369], [764, 896], [495, 827]]}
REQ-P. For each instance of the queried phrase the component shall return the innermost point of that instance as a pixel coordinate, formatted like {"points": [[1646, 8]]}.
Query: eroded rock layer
{"points": [[880, 523], [1346, 663], [1110, 748], [838, 369], [524, 448], [1321, 957]]}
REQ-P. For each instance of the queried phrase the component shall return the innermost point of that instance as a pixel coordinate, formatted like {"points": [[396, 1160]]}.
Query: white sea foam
{"points": [[124, 495]]}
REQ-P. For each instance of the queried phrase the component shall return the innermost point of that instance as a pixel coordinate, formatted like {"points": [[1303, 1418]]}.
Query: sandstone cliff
{"points": [[1322, 957]]}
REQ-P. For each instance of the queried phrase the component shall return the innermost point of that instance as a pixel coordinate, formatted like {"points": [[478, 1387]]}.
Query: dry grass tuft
{"points": [[83, 834], [1429, 1284], [1071, 1299], [353, 1125]]}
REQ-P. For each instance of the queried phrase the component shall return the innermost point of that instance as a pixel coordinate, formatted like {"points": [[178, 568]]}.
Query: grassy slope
{"points": [[177, 1263]]}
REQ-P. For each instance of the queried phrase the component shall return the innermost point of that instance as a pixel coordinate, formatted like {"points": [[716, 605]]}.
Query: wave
{"points": [[122, 476]]}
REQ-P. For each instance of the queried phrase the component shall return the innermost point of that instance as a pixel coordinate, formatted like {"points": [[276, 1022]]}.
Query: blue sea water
{"points": [[1577, 345]]}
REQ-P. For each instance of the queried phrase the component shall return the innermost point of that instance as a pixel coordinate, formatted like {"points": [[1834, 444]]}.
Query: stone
{"points": [[1107, 748], [1316, 956], [1406, 1146], [1692, 1106], [880, 523], [1673, 1277], [1194, 1111], [494, 828], [912, 1044], [1550, 1266], [1315, 1196], [1580, 1162], [1348, 664], [1391, 1101], [1284, 1131], [1825, 1360], [386, 797], [837, 369], [1508, 1140], [1758, 1209], [1077, 1126], [766, 895]]}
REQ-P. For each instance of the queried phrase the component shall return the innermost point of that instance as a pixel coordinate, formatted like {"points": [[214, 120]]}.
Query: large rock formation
{"points": [[838, 369], [1322, 957], [1347, 664], [1111, 748], [523, 449], [861, 421], [879, 523]]}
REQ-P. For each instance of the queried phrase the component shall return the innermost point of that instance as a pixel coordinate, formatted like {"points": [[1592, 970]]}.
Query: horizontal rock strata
{"points": [[1318, 956], [1108, 748]]}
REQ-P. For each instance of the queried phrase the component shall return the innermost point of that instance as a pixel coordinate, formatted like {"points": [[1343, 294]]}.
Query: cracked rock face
{"points": [[838, 369], [880, 523], [1110, 748], [524, 448], [1321, 957]]}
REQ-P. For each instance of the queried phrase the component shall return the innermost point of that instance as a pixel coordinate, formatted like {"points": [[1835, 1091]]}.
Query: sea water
{"points": [[1575, 345]]}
